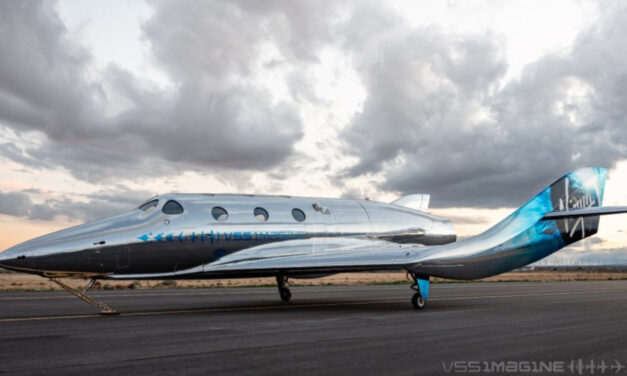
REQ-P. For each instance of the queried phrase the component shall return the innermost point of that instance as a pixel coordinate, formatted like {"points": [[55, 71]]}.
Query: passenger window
{"points": [[172, 207], [298, 215], [219, 214], [149, 205], [261, 214]]}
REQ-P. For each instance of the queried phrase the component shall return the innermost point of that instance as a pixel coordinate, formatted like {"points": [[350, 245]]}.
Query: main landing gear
{"points": [[104, 309], [421, 286], [284, 291]]}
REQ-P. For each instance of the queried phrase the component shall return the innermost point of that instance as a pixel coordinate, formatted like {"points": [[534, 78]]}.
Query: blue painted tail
{"points": [[526, 235]]}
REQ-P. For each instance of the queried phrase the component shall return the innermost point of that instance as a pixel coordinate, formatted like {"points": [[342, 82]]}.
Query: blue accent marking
{"points": [[170, 238], [194, 237], [159, 237], [143, 238], [180, 237], [202, 237], [423, 285]]}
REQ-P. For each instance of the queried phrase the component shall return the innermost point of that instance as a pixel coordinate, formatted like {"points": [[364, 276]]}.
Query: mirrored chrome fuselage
{"points": [[151, 242]]}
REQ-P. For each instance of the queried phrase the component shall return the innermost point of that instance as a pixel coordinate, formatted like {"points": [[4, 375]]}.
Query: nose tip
{"points": [[13, 256], [4, 258], [4, 255]]}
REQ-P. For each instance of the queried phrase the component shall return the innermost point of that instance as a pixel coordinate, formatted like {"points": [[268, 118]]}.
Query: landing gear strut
{"points": [[421, 286], [104, 309], [284, 291]]}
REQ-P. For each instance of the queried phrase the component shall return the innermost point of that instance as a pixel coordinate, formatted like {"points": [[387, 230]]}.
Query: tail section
{"points": [[582, 188], [565, 212], [577, 190]]}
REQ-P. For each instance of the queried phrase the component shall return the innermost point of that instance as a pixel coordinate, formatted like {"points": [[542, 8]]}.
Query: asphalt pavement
{"points": [[557, 327]]}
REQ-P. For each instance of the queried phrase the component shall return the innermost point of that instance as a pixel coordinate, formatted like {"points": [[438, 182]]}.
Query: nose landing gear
{"points": [[81, 294], [284, 291], [421, 286]]}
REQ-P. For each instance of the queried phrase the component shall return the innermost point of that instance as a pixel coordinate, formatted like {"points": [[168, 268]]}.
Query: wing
{"points": [[585, 212], [332, 255]]}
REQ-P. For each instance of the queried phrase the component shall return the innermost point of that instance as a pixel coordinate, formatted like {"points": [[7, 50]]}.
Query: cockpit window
{"points": [[219, 214], [172, 207], [261, 214], [149, 205]]}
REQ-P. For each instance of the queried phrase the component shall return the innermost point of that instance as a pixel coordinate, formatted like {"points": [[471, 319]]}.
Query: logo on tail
{"points": [[578, 190]]}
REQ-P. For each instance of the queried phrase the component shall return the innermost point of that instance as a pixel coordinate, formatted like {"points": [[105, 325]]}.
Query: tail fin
{"points": [[416, 202], [582, 188], [579, 189], [565, 212]]}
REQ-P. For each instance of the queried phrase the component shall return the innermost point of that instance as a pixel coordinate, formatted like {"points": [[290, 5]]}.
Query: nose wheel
{"points": [[284, 290]]}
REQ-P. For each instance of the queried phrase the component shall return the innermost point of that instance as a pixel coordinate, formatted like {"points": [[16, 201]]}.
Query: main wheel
{"points": [[418, 301], [286, 294]]}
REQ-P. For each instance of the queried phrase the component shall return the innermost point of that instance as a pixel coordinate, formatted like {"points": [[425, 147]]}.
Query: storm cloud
{"points": [[439, 116], [215, 116], [437, 119]]}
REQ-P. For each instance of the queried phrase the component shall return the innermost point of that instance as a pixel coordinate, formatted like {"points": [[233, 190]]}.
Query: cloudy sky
{"points": [[479, 103]]}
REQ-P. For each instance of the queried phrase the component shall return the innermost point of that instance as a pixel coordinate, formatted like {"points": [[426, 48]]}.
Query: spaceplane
{"points": [[198, 236]]}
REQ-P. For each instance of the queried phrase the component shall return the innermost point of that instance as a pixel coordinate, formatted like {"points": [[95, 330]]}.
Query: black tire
{"points": [[286, 295], [417, 301]]}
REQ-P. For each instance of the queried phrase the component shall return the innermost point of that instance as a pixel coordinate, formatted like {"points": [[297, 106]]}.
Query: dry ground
{"points": [[26, 282]]}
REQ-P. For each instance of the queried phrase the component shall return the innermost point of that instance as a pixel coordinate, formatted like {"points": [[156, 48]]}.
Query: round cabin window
{"points": [[219, 214], [298, 215], [261, 214]]}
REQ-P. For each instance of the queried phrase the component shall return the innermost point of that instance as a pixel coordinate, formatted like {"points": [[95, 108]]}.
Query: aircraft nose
{"points": [[20, 255], [3, 256], [9, 258], [60, 250]]}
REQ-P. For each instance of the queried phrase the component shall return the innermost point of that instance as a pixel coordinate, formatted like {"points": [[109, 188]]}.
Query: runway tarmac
{"points": [[364, 330]]}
